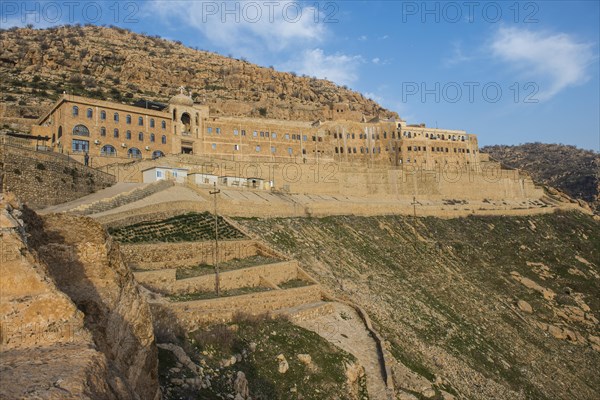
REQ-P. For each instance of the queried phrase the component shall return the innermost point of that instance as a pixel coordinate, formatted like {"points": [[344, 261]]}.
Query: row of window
{"points": [[90, 115], [258, 149], [83, 146], [437, 149], [363, 150], [435, 136], [82, 130], [263, 134]]}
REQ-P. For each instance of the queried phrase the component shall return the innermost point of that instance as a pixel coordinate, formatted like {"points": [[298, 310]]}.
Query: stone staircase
{"points": [[122, 199]]}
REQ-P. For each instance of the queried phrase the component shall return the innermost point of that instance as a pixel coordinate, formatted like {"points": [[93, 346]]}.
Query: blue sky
{"points": [[511, 72]]}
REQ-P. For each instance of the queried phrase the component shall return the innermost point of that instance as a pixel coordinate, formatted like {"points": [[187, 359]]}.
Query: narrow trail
{"points": [[345, 329]]}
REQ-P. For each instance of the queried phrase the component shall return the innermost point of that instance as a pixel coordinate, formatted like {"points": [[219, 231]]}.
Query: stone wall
{"points": [[43, 178], [192, 313], [165, 280], [174, 255]]}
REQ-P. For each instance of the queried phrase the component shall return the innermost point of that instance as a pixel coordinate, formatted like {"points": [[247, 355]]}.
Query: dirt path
{"points": [[345, 329]]}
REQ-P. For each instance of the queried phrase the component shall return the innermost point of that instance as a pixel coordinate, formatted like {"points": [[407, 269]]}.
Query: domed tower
{"points": [[187, 121]]}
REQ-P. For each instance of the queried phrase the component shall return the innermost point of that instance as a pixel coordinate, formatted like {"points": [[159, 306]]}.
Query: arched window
{"points": [[75, 111], [90, 113], [102, 131], [128, 135], [141, 121], [174, 114], [116, 117], [197, 119], [151, 122], [134, 152], [128, 119], [186, 120], [163, 139], [81, 130], [164, 124], [116, 133], [141, 136], [108, 150], [336, 149], [152, 137], [157, 154], [59, 132], [102, 115]]}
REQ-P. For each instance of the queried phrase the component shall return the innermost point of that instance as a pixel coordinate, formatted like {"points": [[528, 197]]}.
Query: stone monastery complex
{"points": [[108, 130]]}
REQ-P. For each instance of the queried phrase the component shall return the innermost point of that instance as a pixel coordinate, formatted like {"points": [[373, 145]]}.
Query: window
{"points": [[218, 131], [209, 130], [152, 137], [255, 133], [257, 149], [90, 113], [75, 111], [353, 137], [116, 133], [354, 150], [164, 124], [305, 138], [335, 136], [103, 115], [314, 138], [159, 174], [116, 117], [134, 152], [102, 131], [214, 146], [287, 136], [243, 132], [108, 150], [140, 121], [128, 119], [163, 139], [290, 151], [273, 135], [273, 149], [141, 136], [235, 132], [81, 130], [157, 154], [128, 135], [236, 147], [80, 146], [262, 134], [151, 122], [336, 150], [342, 150]]}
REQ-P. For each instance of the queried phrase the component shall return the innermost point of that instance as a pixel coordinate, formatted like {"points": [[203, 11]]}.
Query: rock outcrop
{"points": [[74, 325]]}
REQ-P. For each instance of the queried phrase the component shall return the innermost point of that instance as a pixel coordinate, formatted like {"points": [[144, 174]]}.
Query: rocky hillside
{"points": [[36, 66], [480, 307], [572, 170], [74, 325]]}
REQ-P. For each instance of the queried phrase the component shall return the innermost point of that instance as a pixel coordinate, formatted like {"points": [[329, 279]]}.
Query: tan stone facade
{"points": [[112, 131]]}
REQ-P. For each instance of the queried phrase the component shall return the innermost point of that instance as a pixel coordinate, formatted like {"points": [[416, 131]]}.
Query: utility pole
{"points": [[414, 204], [217, 279]]}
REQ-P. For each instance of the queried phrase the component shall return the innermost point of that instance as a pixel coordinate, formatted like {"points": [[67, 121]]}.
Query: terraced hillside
{"points": [[484, 307], [181, 228]]}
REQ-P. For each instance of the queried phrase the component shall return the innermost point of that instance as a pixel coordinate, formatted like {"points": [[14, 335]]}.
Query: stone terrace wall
{"points": [[154, 256], [192, 313], [42, 179], [165, 281]]}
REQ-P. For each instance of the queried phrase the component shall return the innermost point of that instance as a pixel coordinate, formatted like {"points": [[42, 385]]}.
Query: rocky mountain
{"points": [[36, 66], [567, 168]]}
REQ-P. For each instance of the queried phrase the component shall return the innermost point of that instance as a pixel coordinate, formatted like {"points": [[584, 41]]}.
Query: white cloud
{"points": [[245, 26], [554, 61], [362, 38], [376, 60], [374, 97], [384, 37], [339, 68], [457, 56]]}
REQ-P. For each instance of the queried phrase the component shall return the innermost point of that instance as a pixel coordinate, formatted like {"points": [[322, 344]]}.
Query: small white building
{"points": [[156, 174], [233, 181], [204, 179]]}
